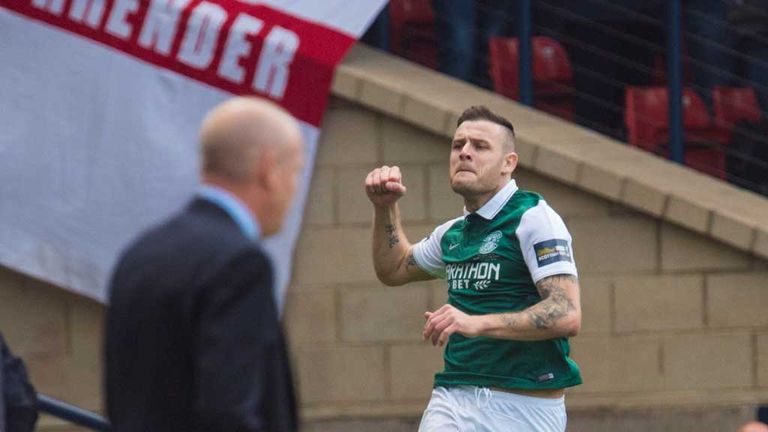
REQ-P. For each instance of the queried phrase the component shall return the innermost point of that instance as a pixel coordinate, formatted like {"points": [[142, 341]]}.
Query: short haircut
{"points": [[481, 112], [236, 133], [230, 157]]}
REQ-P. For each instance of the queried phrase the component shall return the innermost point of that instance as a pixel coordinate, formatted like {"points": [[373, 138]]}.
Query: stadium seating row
{"points": [[706, 139], [646, 108]]}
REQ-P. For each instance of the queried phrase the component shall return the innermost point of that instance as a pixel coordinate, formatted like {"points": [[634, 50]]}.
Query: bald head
{"points": [[236, 133], [753, 426], [253, 149]]}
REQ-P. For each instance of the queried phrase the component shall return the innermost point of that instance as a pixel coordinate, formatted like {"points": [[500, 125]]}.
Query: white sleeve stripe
{"points": [[548, 214], [428, 253], [542, 226], [423, 265]]}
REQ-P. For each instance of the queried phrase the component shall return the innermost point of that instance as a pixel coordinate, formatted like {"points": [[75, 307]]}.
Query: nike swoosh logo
{"points": [[453, 246]]}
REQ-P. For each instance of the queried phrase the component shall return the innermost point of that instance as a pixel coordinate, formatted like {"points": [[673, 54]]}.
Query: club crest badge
{"points": [[490, 242]]}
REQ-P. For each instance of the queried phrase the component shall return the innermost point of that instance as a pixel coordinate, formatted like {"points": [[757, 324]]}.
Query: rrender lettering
{"points": [[190, 33]]}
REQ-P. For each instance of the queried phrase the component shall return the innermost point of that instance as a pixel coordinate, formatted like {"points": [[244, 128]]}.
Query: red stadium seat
{"points": [[552, 73], [412, 31], [646, 117], [732, 105]]}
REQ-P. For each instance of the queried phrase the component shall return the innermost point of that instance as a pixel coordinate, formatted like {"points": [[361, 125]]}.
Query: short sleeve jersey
{"points": [[491, 260]]}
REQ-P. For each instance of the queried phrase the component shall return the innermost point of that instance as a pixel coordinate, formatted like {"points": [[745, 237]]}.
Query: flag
{"points": [[100, 105]]}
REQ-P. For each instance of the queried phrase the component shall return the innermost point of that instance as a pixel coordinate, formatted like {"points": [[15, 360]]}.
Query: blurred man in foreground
{"points": [[193, 340]]}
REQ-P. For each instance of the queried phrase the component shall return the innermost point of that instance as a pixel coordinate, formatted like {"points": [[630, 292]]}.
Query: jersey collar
{"points": [[490, 209]]}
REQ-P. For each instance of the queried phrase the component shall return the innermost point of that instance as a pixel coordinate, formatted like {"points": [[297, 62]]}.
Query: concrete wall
{"points": [[58, 335], [674, 323]]}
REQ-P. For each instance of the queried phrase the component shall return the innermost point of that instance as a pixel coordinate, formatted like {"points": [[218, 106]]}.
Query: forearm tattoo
{"points": [[555, 303], [391, 235], [509, 319]]}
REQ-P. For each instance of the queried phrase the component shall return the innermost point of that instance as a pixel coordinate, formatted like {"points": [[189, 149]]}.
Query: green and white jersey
{"points": [[492, 259]]}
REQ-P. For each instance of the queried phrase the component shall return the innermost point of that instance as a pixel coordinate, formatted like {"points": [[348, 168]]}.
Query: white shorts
{"points": [[480, 409]]}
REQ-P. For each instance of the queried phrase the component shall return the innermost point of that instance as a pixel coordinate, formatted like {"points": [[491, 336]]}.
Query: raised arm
{"points": [[558, 314], [392, 253]]}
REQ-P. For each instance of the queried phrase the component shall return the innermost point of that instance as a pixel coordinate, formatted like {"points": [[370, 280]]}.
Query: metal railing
{"points": [[675, 82], [612, 48], [71, 413], [674, 71]]}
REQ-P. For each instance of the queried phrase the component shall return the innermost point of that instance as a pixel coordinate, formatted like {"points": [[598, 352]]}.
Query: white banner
{"points": [[100, 104]]}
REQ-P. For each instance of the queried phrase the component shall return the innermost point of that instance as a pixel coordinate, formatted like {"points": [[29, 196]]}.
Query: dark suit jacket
{"points": [[2, 380], [193, 341]]}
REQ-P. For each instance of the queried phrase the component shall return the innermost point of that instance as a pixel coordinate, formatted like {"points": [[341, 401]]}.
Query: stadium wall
{"points": [[673, 272]]}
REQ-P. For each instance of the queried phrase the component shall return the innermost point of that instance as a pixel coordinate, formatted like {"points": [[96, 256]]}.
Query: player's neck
{"points": [[474, 202]]}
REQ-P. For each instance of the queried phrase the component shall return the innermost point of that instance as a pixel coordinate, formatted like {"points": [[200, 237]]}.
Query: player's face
{"points": [[480, 161]]}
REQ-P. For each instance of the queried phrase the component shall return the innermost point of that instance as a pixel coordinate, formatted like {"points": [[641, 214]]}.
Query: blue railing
{"points": [[675, 82], [603, 62], [71, 413], [526, 53], [674, 70]]}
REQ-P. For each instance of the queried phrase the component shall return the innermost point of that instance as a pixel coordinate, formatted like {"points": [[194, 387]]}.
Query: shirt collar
{"points": [[233, 207], [490, 209]]}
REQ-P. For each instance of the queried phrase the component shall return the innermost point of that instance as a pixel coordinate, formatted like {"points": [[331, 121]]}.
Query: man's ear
{"points": [[510, 163], [261, 172], [269, 175]]}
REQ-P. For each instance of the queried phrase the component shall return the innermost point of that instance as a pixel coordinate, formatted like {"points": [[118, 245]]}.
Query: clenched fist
{"points": [[384, 186]]}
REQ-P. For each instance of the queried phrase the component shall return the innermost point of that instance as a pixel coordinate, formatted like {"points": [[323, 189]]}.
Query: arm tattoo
{"points": [[391, 235], [554, 304], [509, 320], [410, 262]]}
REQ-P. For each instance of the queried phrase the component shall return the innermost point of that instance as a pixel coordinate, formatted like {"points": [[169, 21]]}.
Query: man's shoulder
{"points": [[523, 197], [521, 201], [448, 225], [181, 257], [452, 222], [190, 236]]}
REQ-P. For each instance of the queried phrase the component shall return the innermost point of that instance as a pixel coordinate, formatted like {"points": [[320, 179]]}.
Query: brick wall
{"points": [[672, 319], [669, 315]]}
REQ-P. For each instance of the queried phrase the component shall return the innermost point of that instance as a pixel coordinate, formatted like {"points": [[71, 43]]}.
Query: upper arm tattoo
{"points": [[554, 304], [392, 238], [411, 261]]}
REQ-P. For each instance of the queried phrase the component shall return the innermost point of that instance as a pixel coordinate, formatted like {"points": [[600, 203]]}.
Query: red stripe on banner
{"points": [[237, 47]]}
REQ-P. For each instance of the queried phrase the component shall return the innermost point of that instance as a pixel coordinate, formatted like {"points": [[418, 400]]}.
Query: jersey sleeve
{"points": [[428, 253], [545, 242]]}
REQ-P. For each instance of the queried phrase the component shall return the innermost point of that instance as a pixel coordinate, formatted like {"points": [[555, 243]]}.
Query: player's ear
{"points": [[510, 163]]}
